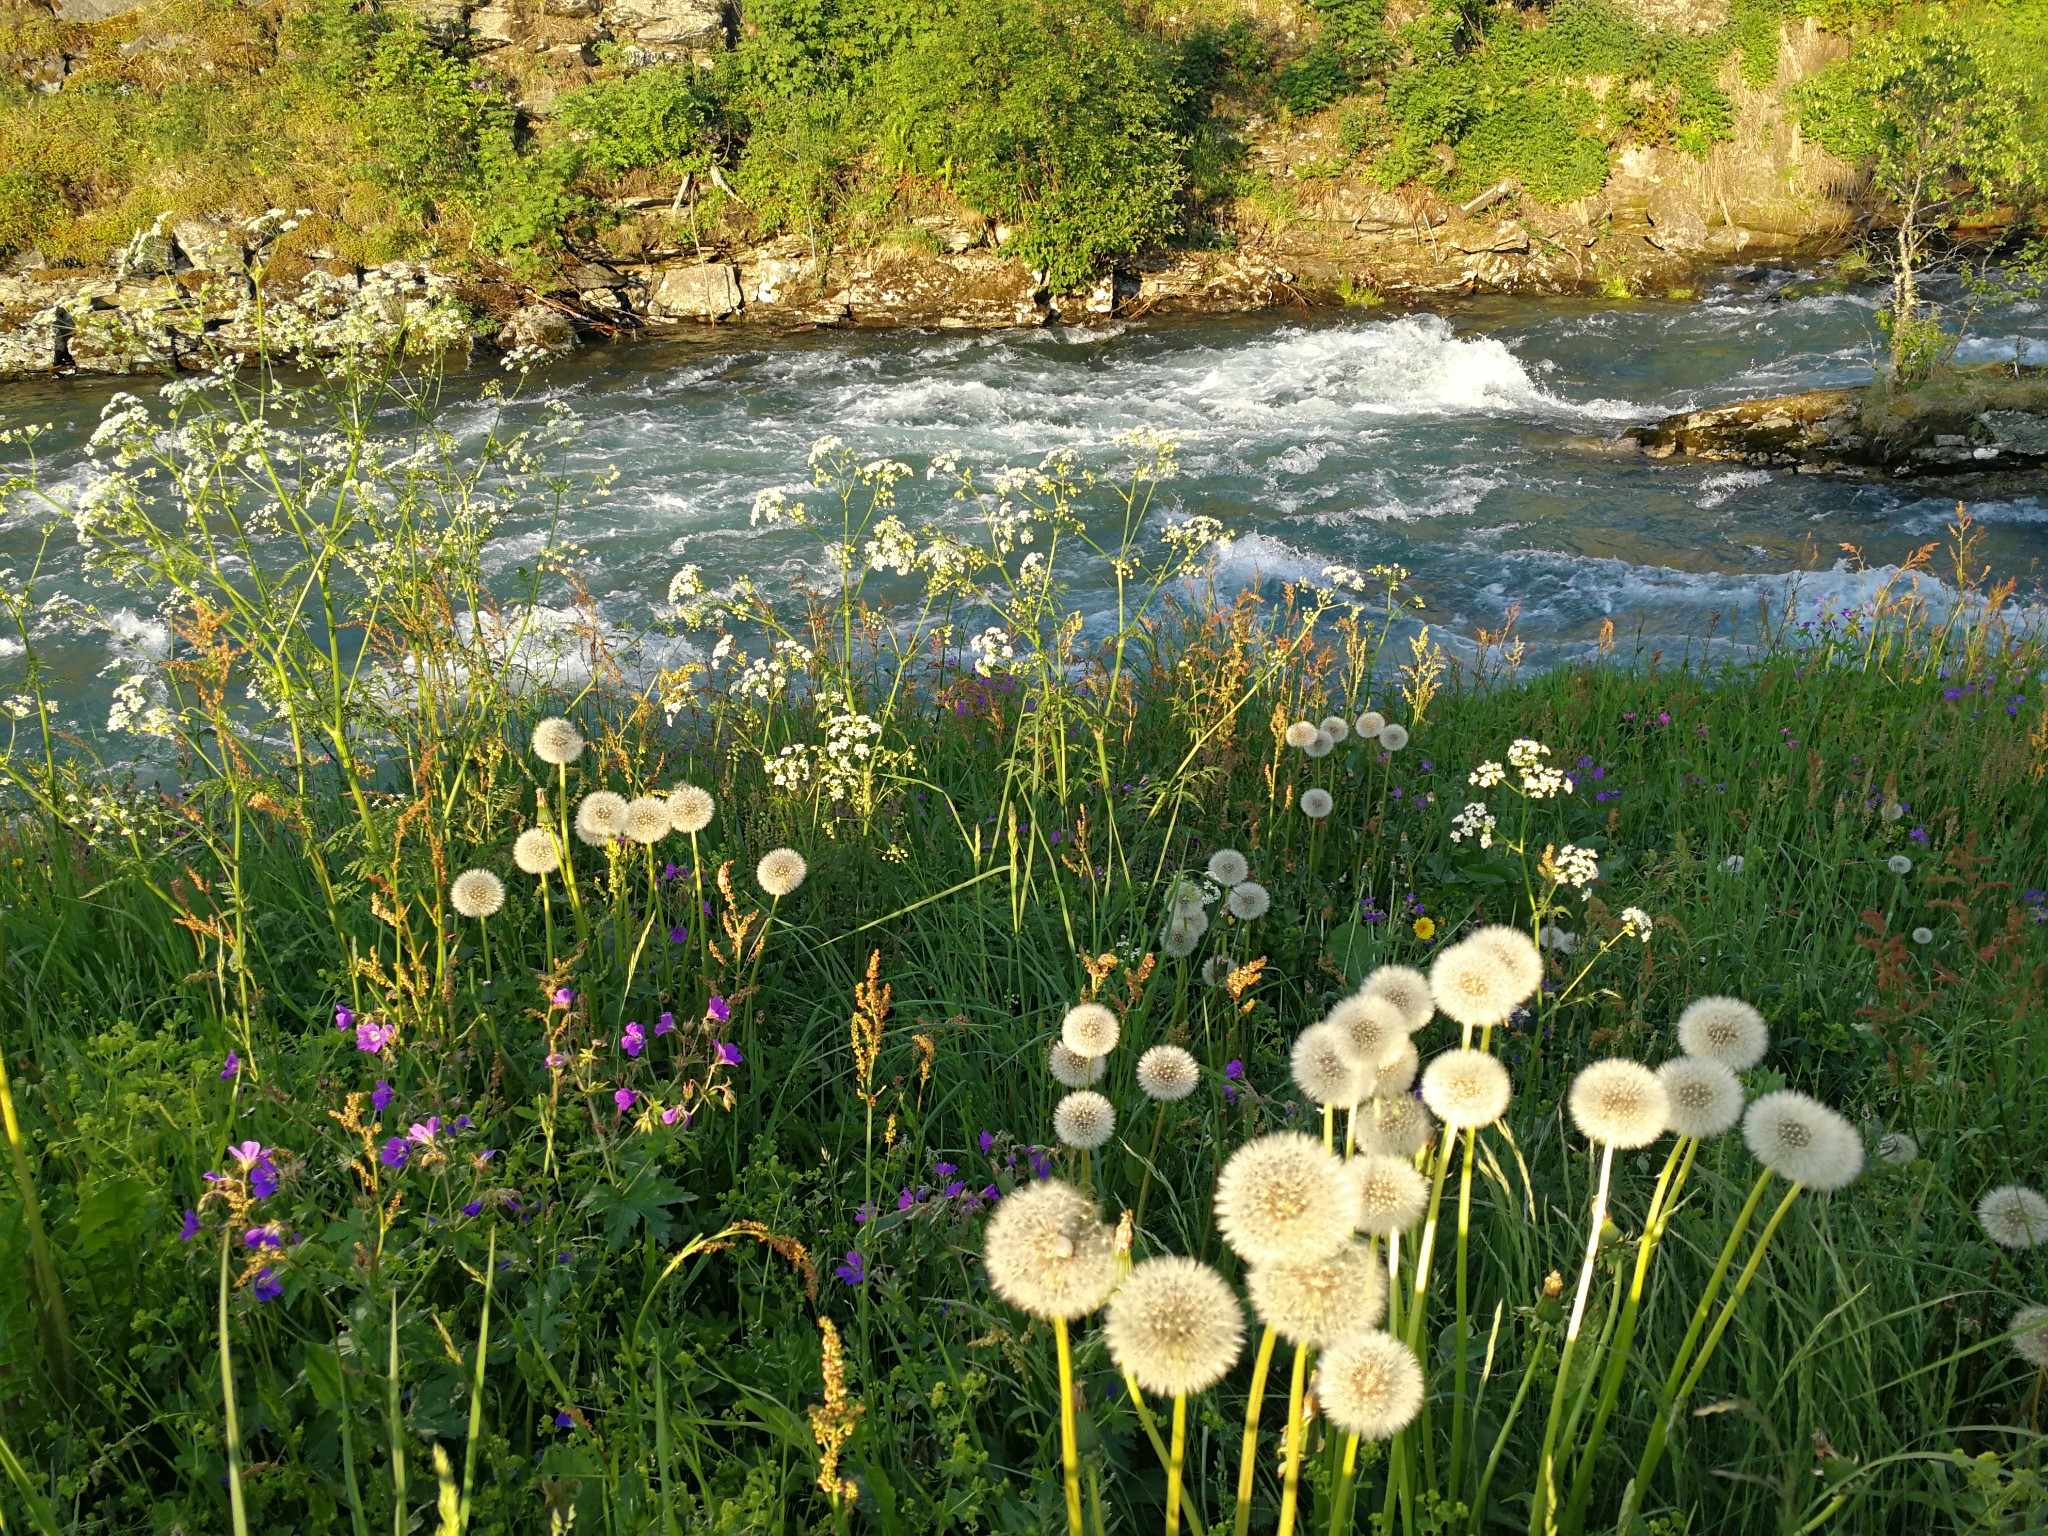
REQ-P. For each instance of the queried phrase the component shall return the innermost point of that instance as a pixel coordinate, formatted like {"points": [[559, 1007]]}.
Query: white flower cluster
{"points": [[884, 475], [693, 602], [992, 650], [1192, 535], [1539, 780], [17, 706], [773, 506], [132, 709], [790, 768], [893, 548], [1488, 774], [1474, 821], [1575, 867], [1637, 923], [848, 753]]}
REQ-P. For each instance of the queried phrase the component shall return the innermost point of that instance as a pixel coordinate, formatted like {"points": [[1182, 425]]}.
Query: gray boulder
{"points": [[709, 291], [539, 325], [692, 26]]}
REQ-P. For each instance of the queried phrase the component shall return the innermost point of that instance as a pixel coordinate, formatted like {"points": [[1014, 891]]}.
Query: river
{"points": [[1457, 447]]}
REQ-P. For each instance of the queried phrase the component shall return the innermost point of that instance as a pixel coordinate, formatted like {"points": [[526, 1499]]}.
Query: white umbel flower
{"points": [[1089, 1029], [690, 808], [1084, 1119], [2014, 1216], [1466, 1089], [1316, 803], [1168, 1074], [1619, 1103], [1802, 1140], [1175, 1325], [1283, 1196], [1704, 1098], [476, 893], [534, 851], [600, 817], [781, 871], [1723, 1029], [1048, 1252], [556, 742], [1370, 1385]]}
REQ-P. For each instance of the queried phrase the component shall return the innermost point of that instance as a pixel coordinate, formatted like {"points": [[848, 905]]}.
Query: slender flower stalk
{"points": [[1248, 1462], [231, 1429], [1070, 1455], [1542, 1507], [1290, 1479]]}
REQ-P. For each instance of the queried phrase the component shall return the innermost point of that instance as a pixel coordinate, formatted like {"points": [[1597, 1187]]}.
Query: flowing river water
{"points": [[1463, 448]]}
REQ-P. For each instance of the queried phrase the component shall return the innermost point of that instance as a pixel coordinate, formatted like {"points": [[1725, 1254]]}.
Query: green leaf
{"points": [[643, 1202], [1351, 950]]}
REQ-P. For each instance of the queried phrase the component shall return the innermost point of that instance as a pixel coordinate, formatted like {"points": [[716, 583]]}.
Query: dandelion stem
{"points": [[1673, 1400], [1070, 1455], [1669, 1182], [1543, 1503], [1340, 1500], [231, 1425], [1290, 1483], [1180, 1446], [1248, 1464], [1461, 1348]]}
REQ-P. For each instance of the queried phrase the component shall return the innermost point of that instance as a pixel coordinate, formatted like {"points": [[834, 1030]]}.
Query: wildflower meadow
{"points": [[912, 1050]]}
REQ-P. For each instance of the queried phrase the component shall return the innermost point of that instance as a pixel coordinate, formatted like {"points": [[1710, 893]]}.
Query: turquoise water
{"points": [[1464, 448]]}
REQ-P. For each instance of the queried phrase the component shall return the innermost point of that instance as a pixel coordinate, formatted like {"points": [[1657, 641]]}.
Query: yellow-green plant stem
{"points": [[1462, 1330], [1070, 1453], [231, 1427], [1170, 1460], [1248, 1462], [1662, 1202], [392, 1408], [1151, 1157], [1500, 1441], [1180, 1449], [476, 1386], [61, 1354], [1340, 1500], [1290, 1479], [1543, 1498], [1668, 1412]]}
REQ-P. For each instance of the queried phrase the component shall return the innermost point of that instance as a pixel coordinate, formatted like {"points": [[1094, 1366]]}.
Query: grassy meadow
{"points": [[655, 1202]]}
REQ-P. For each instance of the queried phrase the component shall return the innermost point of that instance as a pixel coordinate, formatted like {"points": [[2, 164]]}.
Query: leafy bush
{"points": [[665, 116]]}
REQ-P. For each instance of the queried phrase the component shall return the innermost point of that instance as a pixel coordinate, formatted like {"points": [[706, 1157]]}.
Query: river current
{"points": [[1461, 447]]}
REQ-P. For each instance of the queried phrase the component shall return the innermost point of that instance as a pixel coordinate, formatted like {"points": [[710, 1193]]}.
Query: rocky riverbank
{"points": [[1968, 422]]}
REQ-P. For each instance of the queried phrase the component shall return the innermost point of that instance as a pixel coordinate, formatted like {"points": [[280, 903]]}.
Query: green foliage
{"points": [[29, 200], [1052, 113], [1314, 80], [667, 116]]}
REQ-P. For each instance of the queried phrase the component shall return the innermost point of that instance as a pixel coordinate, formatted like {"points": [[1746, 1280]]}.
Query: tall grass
{"points": [[473, 1215]]}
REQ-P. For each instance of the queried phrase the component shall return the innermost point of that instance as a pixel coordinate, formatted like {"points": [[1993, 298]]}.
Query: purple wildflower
{"points": [[854, 1270], [665, 1025], [955, 1188], [719, 1009], [472, 1208], [625, 1098], [558, 1059], [191, 1228], [249, 1153], [563, 1421], [270, 1235], [393, 1155], [263, 1180], [943, 1170], [679, 934], [1234, 1070], [674, 1113], [865, 1214], [725, 1053], [381, 1096], [344, 1019], [988, 1141], [268, 1286], [232, 1068], [373, 1037], [564, 997], [633, 1041], [425, 1131]]}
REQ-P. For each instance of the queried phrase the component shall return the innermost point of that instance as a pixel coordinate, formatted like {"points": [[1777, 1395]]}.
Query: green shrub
{"points": [[1314, 80], [665, 116]]}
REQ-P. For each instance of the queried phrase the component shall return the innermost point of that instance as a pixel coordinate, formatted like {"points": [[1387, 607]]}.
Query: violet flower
{"points": [[232, 1068], [381, 1096]]}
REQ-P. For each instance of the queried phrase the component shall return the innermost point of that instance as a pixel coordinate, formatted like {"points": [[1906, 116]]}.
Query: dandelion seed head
{"points": [[1703, 1098], [1393, 737], [476, 893], [1282, 1196], [1373, 1028], [1318, 1301], [781, 871], [690, 808], [1229, 867], [1619, 1103], [1923, 935], [1466, 1089], [1396, 1074], [1089, 1029], [1316, 803], [1248, 900], [1371, 723], [1175, 1325], [1899, 864], [1084, 1119], [1336, 727], [1802, 1140], [1392, 1196], [1475, 984], [556, 742], [1300, 734], [600, 817], [2029, 1328], [1370, 1385], [1073, 1071], [1723, 1029], [646, 821], [1319, 745], [534, 851], [1048, 1252], [1897, 1147], [1185, 928], [1324, 1067], [1216, 970], [1407, 989], [1517, 953], [2014, 1216], [1399, 1126], [1168, 1074]]}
